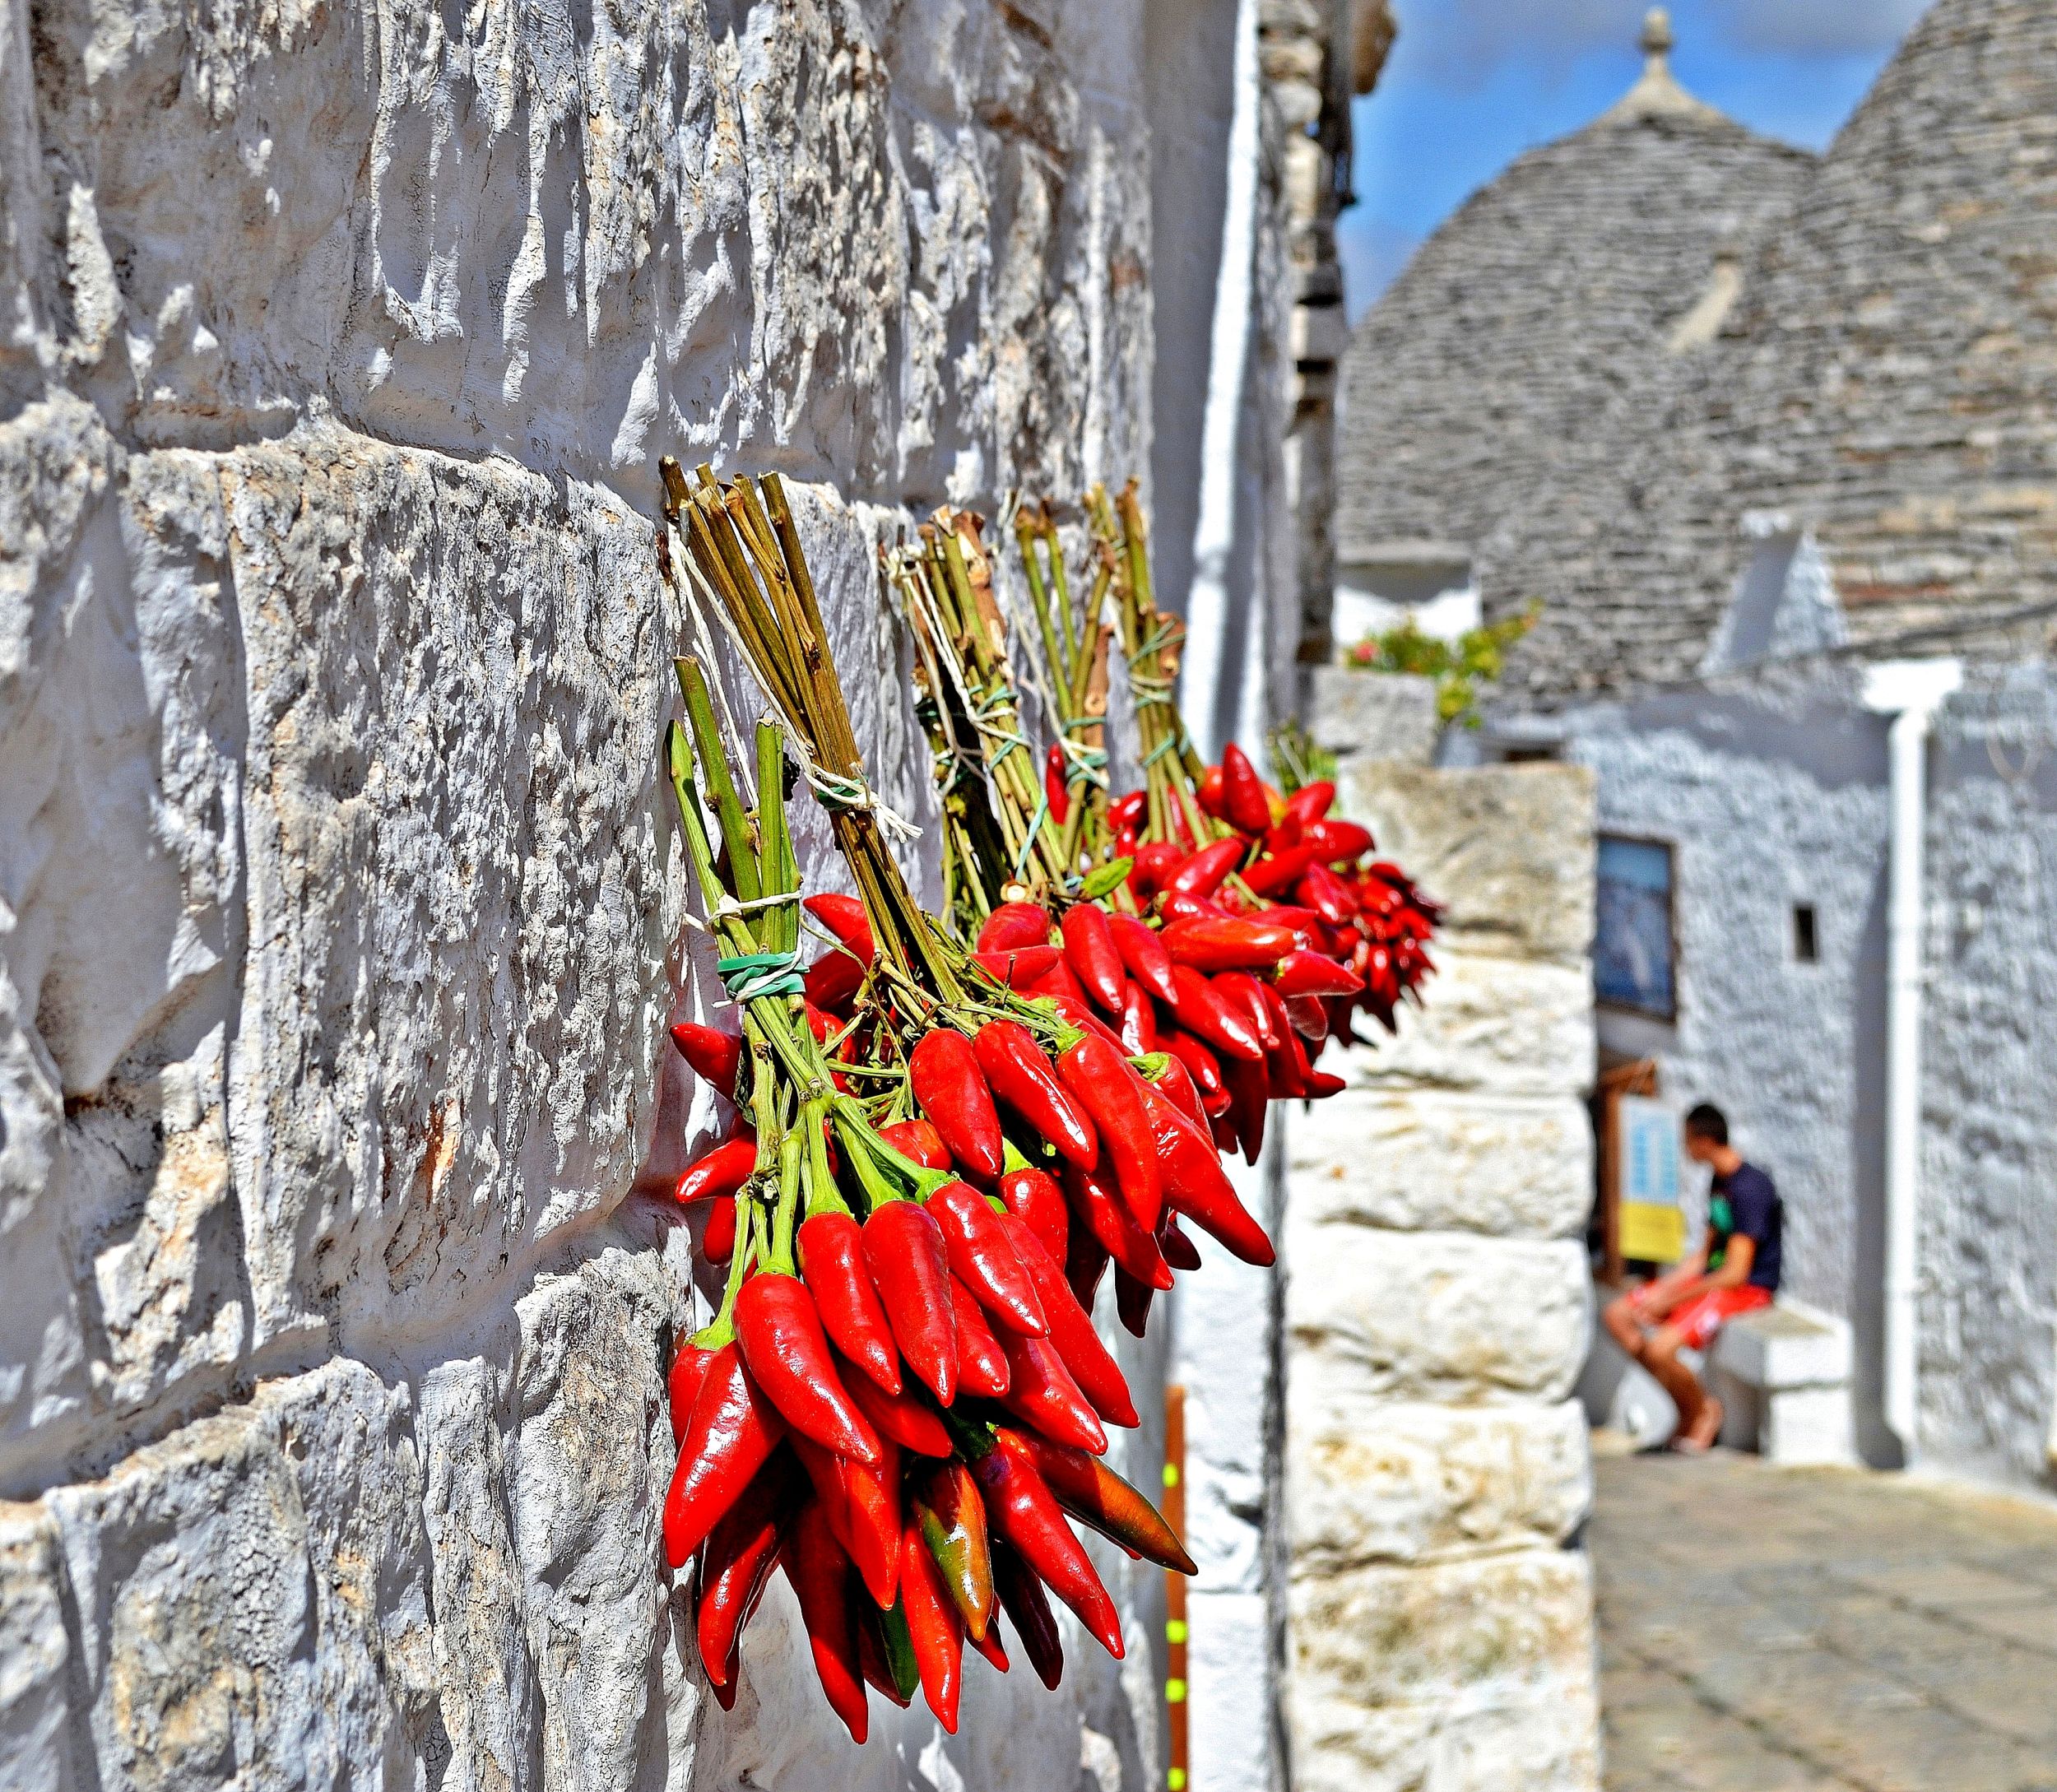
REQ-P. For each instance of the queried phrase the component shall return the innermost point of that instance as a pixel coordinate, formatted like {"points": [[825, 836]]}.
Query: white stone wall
{"points": [[338, 908], [1439, 1631]]}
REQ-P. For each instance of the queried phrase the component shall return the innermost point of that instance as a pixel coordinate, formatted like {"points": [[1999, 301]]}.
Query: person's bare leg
{"points": [[1696, 1405], [1623, 1326]]}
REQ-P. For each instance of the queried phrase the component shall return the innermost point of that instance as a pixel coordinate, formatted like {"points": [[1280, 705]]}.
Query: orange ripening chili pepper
{"points": [[787, 1354], [1033, 1196], [982, 1366], [1243, 802], [932, 1621], [862, 1507], [820, 1575], [1093, 1493], [1111, 1093], [717, 1173], [1053, 787], [901, 1417], [831, 1252], [1028, 1606], [713, 1055], [943, 1072], [1143, 951], [1107, 1216], [1015, 924], [1042, 1393], [1132, 1303], [1210, 945], [952, 1519], [1020, 1508], [982, 1256], [919, 1142], [1093, 957], [1092, 1366], [737, 1560], [1203, 873], [904, 1252], [1199, 1187], [1204, 1013], [1019, 1073], [718, 1242], [732, 1430]]}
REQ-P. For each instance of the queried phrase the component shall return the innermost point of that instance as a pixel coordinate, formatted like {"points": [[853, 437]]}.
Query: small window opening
{"points": [[1529, 755], [1806, 940]]}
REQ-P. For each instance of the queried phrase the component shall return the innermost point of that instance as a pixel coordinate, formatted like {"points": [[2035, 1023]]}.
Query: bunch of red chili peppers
{"points": [[940, 1150]]}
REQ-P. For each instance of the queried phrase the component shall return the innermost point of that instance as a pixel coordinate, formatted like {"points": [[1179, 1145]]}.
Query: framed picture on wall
{"points": [[1634, 948]]}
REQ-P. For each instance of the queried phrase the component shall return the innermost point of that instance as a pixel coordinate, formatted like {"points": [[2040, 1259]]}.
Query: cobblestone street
{"points": [[1767, 1630]]}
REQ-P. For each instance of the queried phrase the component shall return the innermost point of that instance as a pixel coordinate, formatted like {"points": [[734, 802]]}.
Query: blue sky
{"points": [[1473, 83]]}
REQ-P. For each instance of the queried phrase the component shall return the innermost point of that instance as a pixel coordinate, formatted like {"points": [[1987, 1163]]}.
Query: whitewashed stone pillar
{"points": [[1439, 1619]]}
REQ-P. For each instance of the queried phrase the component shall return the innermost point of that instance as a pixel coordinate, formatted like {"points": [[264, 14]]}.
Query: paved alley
{"points": [[1768, 1630]]}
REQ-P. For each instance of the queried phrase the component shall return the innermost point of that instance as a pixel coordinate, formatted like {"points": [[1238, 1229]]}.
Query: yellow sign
{"points": [[1652, 1233]]}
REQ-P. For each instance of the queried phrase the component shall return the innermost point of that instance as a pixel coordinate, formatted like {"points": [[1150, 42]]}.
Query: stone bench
{"points": [[1782, 1375]]}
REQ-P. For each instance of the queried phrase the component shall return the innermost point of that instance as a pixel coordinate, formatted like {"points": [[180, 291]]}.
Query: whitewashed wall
{"points": [[338, 911]]}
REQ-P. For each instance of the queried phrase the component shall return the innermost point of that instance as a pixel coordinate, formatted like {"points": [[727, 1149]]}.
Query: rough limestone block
{"points": [[1372, 717], [1517, 1166], [1434, 1316], [1510, 848], [36, 1713], [1469, 1677], [1369, 1481], [1498, 1026]]}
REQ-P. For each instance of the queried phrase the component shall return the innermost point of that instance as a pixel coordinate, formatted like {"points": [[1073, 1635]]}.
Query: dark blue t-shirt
{"points": [[1746, 1203]]}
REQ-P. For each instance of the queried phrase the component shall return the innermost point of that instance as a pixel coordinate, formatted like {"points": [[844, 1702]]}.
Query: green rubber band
{"points": [[751, 974]]}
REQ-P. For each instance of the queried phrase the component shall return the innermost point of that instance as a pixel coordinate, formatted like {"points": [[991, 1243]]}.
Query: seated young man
{"points": [[1735, 1270]]}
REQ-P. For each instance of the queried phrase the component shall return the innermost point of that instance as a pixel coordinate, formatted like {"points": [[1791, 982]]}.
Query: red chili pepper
{"points": [[1126, 812], [690, 1364], [1085, 1261], [1053, 787], [1057, 981], [1309, 973], [1211, 945], [1335, 841], [1210, 793], [831, 1249], [1144, 953], [1286, 1063], [1016, 1070], [834, 977], [932, 1621], [1033, 1196], [1021, 1509], [901, 1417], [1139, 1021], [942, 1072], [981, 1365], [982, 1256], [1019, 967], [1245, 994], [1091, 1366], [862, 1505], [1175, 905], [1310, 1016], [904, 1252], [712, 1055], [734, 1428], [1132, 1303], [1283, 834], [1027, 1607], [1180, 1251], [1177, 1085], [820, 1572], [1074, 1009], [1109, 1092], [1090, 948], [1012, 925], [990, 1646], [1202, 874], [737, 1560], [1310, 802], [1153, 864], [875, 1657], [1200, 1064], [1320, 1085], [1201, 1011], [1327, 895], [786, 1353], [1267, 877], [720, 1172], [951, 1520], [1198, 1187], [1249, 1100], [1243, 801], [919, 1142], [1108, 1217], [1041, 1392], [1093, 1493], [717, 1240]]}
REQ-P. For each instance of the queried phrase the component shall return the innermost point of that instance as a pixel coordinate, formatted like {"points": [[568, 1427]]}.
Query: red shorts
{"points": [[1703, 1316]]}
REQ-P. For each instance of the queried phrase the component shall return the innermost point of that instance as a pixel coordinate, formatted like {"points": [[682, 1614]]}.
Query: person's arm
{"points": [[1735, 1266], [1656, 1298]]}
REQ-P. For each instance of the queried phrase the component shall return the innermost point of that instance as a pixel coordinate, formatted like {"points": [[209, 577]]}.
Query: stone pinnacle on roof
{"points": [[1657, 95]]}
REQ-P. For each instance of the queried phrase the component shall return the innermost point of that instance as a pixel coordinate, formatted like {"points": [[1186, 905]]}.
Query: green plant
{"points": [[1460, 668], [1297, 760]]}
